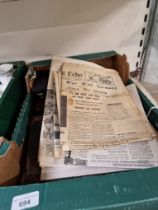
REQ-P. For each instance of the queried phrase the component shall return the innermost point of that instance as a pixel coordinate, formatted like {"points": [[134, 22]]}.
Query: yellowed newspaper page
{"points": [[143, 154], [99, 110]]}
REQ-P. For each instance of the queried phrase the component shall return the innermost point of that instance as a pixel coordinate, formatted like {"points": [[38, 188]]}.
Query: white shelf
{"points": [[33, 28]]}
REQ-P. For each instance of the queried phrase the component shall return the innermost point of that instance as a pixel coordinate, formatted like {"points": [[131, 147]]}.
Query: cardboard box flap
{"points": [[109, 60], [11, 146], [9, 161]]}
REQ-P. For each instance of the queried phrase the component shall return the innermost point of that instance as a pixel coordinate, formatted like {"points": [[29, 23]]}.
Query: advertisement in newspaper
{"points": [[133, 155]]}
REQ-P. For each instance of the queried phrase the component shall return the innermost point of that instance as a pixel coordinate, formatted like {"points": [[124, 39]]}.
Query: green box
{"points": [[137, 189], [11, 99]]}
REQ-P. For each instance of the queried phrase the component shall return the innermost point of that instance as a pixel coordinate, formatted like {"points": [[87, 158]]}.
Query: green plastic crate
{"points": [[137, 189]]}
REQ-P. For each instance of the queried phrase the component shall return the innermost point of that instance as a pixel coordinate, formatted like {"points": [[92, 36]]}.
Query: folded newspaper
{"points": [[92, 124]]}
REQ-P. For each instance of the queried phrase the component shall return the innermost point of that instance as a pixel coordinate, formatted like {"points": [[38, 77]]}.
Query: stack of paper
{"points": [[92, 124]]}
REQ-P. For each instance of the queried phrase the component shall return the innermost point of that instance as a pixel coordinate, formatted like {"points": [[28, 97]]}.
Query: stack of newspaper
{"points": [[92, 123]]}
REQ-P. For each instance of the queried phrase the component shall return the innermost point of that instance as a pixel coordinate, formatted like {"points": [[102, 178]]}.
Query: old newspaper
{"points": [[96, 109], [143, 154], [49, 146], [137, 155], [90, 112]]}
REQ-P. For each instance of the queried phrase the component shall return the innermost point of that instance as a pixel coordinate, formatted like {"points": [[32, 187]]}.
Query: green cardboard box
{"points": [[10, 151], [11, 99], [135, 189]]}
